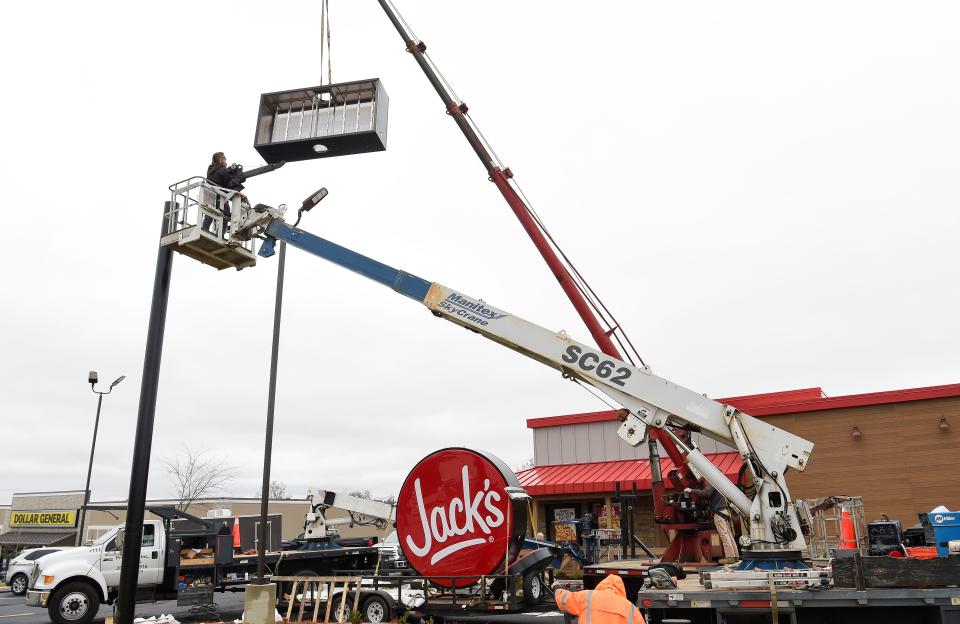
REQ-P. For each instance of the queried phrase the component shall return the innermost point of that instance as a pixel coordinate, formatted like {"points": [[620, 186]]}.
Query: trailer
{"points": [[182, 557], [382, 596], [692, 602]]}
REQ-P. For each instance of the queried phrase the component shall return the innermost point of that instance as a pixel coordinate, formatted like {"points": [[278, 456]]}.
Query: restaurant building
{"points": [[899, 450]]}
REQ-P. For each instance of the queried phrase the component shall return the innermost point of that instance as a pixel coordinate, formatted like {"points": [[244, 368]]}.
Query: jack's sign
{"points": [[460, 513], [43, 519]]}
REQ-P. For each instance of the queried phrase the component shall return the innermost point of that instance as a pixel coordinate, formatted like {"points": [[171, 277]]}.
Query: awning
{"points": [[35, 538], [601, 477]]}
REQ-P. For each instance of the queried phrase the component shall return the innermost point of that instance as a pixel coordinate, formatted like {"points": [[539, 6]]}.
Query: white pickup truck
{"points": [[73, 583]]}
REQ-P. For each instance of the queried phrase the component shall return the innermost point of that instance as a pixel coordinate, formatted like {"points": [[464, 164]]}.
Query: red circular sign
{"points": [[455, 516]]}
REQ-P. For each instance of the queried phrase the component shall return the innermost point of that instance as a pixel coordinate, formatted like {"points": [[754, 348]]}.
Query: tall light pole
{"points": [[92, 379], [308, 204]]}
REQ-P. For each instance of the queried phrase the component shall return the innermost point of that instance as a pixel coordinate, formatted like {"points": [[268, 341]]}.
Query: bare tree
{"points": [[194, 474], [278, 489], [389, 500], [528, 463]]}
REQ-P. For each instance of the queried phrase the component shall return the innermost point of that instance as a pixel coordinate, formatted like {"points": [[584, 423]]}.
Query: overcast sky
{"points": [[765, 194]]}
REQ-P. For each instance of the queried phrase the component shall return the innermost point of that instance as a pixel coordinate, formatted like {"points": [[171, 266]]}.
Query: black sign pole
{"points": [[271, 401], [143, 441]]}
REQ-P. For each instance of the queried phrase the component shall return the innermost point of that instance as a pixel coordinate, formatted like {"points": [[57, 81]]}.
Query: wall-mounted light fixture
{"points": [[944, 425], [855, 433]]}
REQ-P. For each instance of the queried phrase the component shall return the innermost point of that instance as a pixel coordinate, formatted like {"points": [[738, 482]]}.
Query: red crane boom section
{"points": [[500, 176]]}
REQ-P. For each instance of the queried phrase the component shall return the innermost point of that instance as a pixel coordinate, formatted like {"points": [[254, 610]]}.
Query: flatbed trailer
{"points": [[74, 583], [234, 574], [524, 589], [633, 572], [690, 601]]}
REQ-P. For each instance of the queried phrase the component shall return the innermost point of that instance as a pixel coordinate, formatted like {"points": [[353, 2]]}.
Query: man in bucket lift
{"points": [[220, 174]]}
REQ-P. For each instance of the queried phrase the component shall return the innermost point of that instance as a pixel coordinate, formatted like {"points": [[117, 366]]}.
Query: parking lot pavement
{"points": [[14, 611]]}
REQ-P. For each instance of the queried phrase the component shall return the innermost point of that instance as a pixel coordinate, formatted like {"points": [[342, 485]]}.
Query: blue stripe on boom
{"points": [[400, 281]]}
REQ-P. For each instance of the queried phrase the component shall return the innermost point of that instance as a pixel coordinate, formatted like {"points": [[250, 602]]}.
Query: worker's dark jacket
{"points": [[607, 604], [220, 175], [710, 493]]}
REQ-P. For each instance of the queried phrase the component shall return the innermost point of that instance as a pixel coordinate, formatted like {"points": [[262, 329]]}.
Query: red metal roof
{"points": [[598, 477], [786, 402], [851, 400]]}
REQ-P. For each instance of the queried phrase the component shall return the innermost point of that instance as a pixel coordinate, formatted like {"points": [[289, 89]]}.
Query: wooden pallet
{"points": [[310, 588]]}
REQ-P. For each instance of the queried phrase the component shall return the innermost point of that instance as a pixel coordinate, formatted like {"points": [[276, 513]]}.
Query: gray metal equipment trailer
{"points": [[693, 603], [76, 581]]}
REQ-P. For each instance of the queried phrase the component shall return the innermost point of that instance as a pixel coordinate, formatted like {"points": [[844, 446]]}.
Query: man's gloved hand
{"points": [[555, 586], [687, 490]]}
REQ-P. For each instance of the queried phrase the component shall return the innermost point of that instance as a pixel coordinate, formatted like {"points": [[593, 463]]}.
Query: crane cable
{"points": [[614, 329], [325, 40], [603, 314]]}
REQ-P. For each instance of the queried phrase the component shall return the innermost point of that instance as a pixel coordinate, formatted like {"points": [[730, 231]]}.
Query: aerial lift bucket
{"points": [[195, 223]]}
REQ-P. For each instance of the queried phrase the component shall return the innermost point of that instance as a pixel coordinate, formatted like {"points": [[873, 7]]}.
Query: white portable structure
{"points": [[363, 511]]}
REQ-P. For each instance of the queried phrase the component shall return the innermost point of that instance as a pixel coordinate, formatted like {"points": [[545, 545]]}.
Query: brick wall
{"points": [[902, 464]]}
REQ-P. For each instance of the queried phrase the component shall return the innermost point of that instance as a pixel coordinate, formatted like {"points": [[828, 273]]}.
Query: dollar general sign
{"points": [[44, 519]]}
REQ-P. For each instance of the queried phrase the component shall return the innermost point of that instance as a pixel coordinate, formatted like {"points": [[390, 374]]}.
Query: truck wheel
{"points": [[532, 588], [285, 588], [18, 585], [375, 610], [74, 603]]}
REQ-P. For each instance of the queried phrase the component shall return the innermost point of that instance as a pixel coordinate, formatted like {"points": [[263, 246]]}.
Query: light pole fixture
{"points": [[944, 425], [93, 380], [856, 434], [310, 202]]}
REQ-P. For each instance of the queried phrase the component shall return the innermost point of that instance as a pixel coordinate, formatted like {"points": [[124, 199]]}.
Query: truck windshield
{"points": [[103, 539]]}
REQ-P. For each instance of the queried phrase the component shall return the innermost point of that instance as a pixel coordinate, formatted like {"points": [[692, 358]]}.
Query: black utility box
{"points": [[191, 596], [885, 536], [250, 525], [916, 536], [322, 122]]}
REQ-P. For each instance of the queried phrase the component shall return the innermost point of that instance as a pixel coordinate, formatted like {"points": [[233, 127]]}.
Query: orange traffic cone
{"points": [[848, 535], [236, 532]]}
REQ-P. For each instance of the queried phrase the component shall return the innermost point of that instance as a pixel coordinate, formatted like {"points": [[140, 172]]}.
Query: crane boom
{"points": [[501, 177], [602, 332], [359, 510], [650, 402]]}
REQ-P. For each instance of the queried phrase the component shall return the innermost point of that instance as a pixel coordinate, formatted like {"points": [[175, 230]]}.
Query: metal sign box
{"points": [[322, 122]]}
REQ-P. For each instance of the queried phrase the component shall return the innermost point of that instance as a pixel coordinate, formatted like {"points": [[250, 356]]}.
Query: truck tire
{"points": [[533, 588], [375, 610], [74, 603], [18, 584]]}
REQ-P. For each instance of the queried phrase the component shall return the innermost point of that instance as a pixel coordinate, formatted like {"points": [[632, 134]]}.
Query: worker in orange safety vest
{"points": [[607, 604]]}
